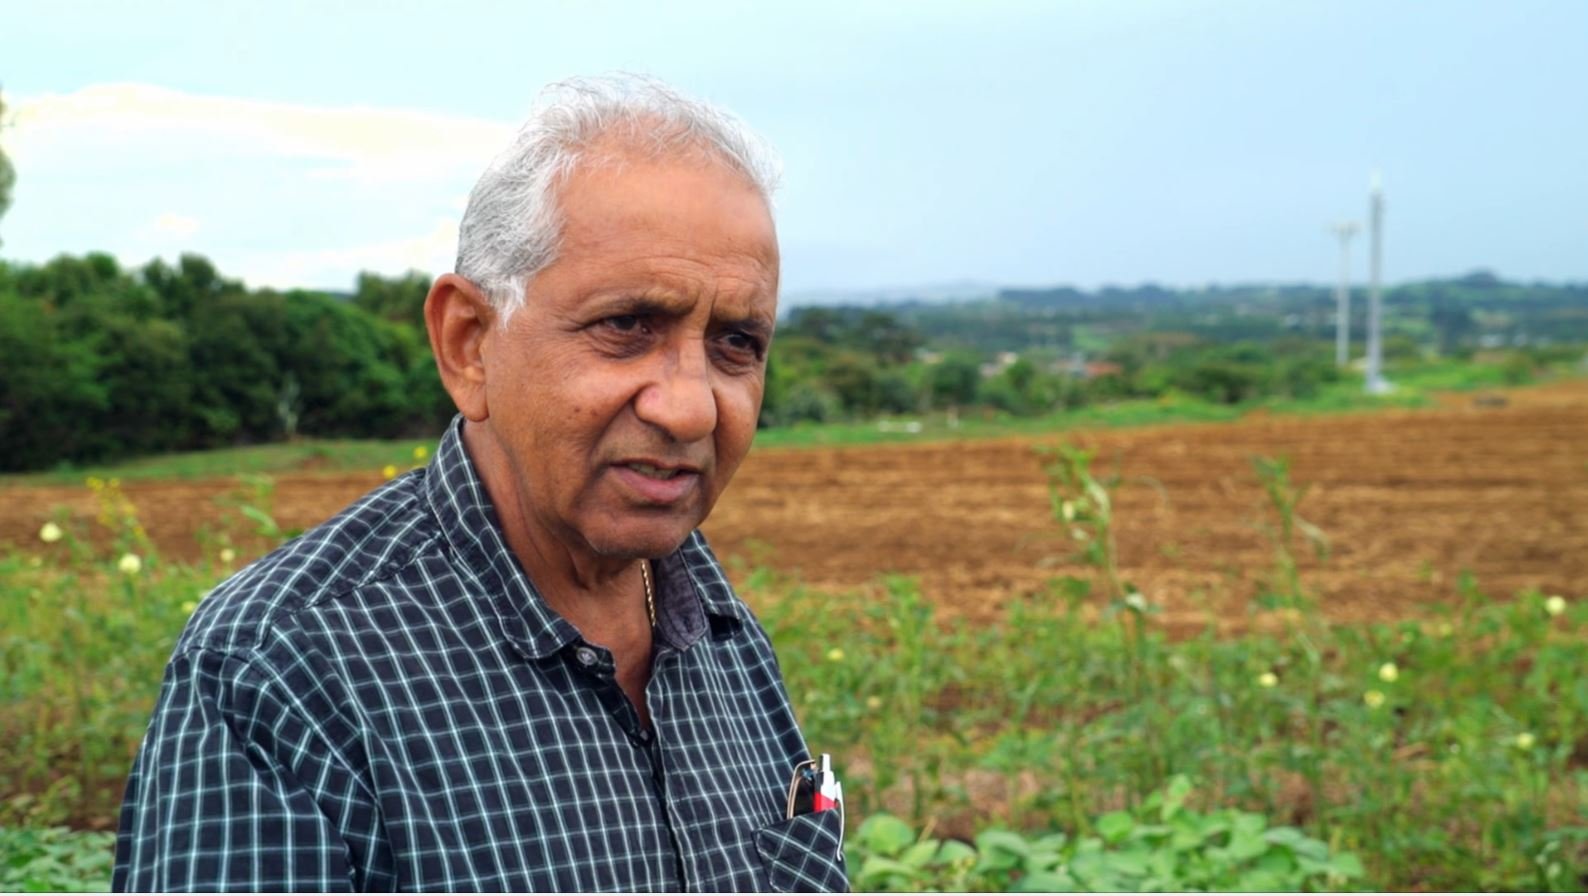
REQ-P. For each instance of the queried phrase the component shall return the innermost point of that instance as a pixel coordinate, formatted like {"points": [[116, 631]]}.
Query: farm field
{"points": [[1408, 712], [1407, 499]]}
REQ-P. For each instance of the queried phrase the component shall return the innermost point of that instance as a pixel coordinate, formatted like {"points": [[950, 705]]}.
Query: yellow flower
{"points": [[50, 533], [1268, 679], [873, 703], [1554, 605], [388, 471], [188, 606], [1445, 629], [228, 555], [1388, 672], [836, 655], [94, 482], [1373, 699], [1525, 740], [129, 564], [1067, 510], [421, 452]]}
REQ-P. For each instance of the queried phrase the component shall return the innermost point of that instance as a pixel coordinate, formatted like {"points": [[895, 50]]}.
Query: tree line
{"points": [[99, 362], [843, 363]]}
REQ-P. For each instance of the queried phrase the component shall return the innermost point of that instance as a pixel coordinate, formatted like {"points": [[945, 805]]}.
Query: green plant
{"points": [[1283, 498], [1161, 846], [1083, 506], [44, 860]]}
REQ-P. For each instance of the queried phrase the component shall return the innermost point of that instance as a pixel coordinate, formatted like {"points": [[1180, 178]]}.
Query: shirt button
{"points": [[586, 656]]}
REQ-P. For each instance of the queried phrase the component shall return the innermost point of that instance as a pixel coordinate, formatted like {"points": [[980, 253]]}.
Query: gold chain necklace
{"points": [[650, 594]]}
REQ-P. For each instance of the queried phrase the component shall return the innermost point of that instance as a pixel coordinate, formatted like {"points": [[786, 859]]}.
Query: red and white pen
{"points": [[829, 793]]}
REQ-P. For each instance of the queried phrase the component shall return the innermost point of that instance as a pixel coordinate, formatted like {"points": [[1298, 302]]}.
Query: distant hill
{"points": [[956, 291], [1476, 310]]}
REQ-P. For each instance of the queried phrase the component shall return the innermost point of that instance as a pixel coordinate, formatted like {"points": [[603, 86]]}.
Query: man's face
{"points": [[625, 392]]}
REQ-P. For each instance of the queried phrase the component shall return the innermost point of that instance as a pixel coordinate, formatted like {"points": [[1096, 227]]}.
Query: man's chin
{"points": [[647, 539]]}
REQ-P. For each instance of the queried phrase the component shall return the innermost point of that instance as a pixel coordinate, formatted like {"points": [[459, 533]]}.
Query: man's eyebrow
{"points": [[639, 305]]}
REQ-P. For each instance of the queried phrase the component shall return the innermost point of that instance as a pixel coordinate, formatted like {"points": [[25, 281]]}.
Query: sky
{"points": [[923, 144]]}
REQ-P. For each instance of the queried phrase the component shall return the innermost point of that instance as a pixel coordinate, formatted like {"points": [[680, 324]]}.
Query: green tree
{"points": [[954, 380], [237, 341], [143, 366], [822, 325], [1227, 375], [351, 368], [853, 378], [885, 337], [49, 387], [193, 283], [397, 299]]}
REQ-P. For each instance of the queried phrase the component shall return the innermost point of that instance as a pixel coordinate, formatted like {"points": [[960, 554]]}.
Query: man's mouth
{"points": [[654, 483], [654, 472]]}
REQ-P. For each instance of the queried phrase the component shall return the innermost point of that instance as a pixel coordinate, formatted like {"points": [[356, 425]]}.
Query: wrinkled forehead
{"points": [[653, 139], [685, 199]]}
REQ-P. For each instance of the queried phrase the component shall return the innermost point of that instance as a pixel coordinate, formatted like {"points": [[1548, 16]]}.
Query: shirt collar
{"points": [[689, 582]]}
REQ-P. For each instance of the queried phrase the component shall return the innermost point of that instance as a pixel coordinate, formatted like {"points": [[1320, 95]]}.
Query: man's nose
{"points": [[680, 401]]}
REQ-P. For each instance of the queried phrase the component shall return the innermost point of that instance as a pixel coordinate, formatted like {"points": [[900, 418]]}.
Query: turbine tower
{"points": [[1376, 384], [1342, 294]]}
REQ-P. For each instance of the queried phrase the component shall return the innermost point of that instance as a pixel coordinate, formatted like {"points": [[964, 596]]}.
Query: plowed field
{"points": [[1408, 500]]}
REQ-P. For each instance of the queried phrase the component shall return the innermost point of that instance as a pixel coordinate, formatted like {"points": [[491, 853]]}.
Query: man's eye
{"points": [[623, 323], [743, 344]]}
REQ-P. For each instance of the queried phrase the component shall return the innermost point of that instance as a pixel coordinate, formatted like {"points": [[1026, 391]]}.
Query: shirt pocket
{"points": [[804, 854]]}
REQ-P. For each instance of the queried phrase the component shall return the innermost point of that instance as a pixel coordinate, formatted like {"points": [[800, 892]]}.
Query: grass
{"points": [[1447, 751], [307, 454]]}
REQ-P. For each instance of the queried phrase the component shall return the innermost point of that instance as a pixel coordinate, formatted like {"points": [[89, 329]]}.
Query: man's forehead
{"points": [[666, 214], [612, 191]]}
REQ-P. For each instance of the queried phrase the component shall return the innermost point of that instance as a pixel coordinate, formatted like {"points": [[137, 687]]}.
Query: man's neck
{"points": [[603, 597]]}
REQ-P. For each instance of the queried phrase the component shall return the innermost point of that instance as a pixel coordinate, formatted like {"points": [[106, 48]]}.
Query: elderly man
{"points": [[521, 668]]}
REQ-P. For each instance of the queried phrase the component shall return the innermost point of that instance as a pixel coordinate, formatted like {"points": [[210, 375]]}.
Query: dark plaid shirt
{"points": [[387, 704]]}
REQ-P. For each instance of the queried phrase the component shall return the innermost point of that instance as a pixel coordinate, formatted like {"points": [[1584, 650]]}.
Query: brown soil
{"points": [[1408, 500]]}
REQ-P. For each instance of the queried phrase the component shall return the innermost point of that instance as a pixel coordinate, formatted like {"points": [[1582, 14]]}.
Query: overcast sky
{"points": [[1015, 143]]}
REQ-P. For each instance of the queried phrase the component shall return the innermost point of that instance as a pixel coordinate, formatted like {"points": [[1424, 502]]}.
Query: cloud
{"points": [[280, 194], [431, 252], [173, 225], [358, 142]]}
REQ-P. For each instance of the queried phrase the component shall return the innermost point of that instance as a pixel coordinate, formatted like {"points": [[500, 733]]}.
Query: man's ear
{"points": [[458, 317]]}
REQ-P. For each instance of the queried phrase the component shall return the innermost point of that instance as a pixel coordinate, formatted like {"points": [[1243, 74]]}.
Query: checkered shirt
{"points": [[386, 703]]}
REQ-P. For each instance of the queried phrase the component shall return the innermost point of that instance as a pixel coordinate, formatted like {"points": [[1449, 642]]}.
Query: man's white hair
{"points": [[513, 223]]}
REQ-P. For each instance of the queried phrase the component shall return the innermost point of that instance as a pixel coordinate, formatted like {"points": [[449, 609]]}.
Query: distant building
{"points": [[1082, 369], [999, 365]]}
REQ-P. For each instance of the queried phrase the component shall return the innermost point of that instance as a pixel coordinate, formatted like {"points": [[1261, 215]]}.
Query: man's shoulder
{"points": [[372, 539]]}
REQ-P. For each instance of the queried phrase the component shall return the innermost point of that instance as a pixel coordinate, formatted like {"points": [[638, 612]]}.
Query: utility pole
{"points": [[1376, 383], [1342, 294]]}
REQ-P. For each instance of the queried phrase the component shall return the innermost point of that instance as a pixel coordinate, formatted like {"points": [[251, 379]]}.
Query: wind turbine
{"points": [[1376, 384], [1342, 294]]}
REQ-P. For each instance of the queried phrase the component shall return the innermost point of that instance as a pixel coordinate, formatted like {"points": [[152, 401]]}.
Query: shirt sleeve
{"points": [[233, 789]]}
